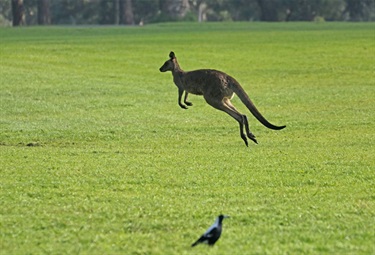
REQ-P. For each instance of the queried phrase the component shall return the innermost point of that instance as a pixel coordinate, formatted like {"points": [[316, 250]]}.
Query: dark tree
{"points": [[302, 10], [18, 12], [116, 11], [108, 12], [44, 17], [268, 10], [174, 9], [126, 12], [360, 10]]}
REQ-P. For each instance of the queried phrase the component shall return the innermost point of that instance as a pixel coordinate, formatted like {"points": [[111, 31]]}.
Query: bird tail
{"points": [[194, 244]]}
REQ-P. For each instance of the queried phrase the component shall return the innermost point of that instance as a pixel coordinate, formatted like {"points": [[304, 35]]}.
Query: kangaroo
{"points": [[217, 88]]}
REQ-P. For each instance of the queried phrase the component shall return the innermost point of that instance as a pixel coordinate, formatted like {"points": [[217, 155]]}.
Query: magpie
{"points": [[213, 233]]}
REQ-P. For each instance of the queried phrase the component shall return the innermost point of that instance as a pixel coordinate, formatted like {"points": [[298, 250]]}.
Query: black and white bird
{"points": [[213, 233]]}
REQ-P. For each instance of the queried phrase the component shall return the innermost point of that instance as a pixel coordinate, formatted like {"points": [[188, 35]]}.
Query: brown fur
{"points": [[217, 88]]}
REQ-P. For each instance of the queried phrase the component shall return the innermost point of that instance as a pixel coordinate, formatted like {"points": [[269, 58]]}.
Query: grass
{"points": [[98, 158]]}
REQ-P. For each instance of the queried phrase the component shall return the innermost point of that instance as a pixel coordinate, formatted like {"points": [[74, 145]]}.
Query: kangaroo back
{"points": [[240, 92]]}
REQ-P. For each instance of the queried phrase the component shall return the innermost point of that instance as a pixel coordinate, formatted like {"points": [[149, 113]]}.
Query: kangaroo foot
{"points": [[183, 106], [245, 140], [252, 137]]}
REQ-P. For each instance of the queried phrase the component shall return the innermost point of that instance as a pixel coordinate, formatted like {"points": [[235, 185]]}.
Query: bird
{"points": [[213, 233]]}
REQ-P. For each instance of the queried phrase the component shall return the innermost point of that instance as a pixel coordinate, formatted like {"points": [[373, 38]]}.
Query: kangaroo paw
{"points": [[245, 140], [247, 144], [252, 137], [254, 140]]}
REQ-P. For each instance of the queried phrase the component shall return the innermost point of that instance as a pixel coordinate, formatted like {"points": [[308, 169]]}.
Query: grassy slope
{"points": [[118, 167]]}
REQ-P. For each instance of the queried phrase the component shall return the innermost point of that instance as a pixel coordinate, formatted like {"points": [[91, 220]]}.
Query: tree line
{"points": [[130, 12]]}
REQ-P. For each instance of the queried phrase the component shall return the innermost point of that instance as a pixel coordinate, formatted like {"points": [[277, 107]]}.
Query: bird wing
{"points": [[206, 236], [211, 231]]}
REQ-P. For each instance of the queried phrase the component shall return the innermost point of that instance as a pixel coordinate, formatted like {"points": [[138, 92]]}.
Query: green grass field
{"points": [[98, 158]]}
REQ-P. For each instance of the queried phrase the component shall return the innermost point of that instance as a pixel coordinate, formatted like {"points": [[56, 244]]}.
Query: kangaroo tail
{"points": [[250, 105]]}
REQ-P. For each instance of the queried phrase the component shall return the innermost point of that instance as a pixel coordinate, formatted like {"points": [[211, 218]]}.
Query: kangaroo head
{"points": [[170, 64]]}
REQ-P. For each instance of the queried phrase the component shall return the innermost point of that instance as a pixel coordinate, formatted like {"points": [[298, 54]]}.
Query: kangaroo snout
{"points": [[162, 69]]}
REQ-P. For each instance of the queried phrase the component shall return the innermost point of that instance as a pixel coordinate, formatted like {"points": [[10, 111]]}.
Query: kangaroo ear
{"points": [[171, 55]]}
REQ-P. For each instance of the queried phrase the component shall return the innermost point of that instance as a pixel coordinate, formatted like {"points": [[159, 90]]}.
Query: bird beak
{"points": [[226, 216]]}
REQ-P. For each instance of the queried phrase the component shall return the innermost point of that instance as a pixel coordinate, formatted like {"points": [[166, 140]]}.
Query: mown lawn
{"points": [[97, 157]]}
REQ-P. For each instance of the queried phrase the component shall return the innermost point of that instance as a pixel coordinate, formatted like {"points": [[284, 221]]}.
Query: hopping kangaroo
{"points": [[217, 89]]}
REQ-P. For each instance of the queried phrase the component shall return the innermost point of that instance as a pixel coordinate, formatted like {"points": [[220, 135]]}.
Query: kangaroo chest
{"points": [[189, 85], [192, 88]]}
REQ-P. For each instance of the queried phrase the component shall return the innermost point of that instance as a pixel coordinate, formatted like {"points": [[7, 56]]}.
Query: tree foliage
{"points": [[131, 12]]}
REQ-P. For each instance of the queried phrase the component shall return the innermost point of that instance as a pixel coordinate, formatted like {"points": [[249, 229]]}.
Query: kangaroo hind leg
{"points": [[245, 122], [249, 134], [220, 105]]}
